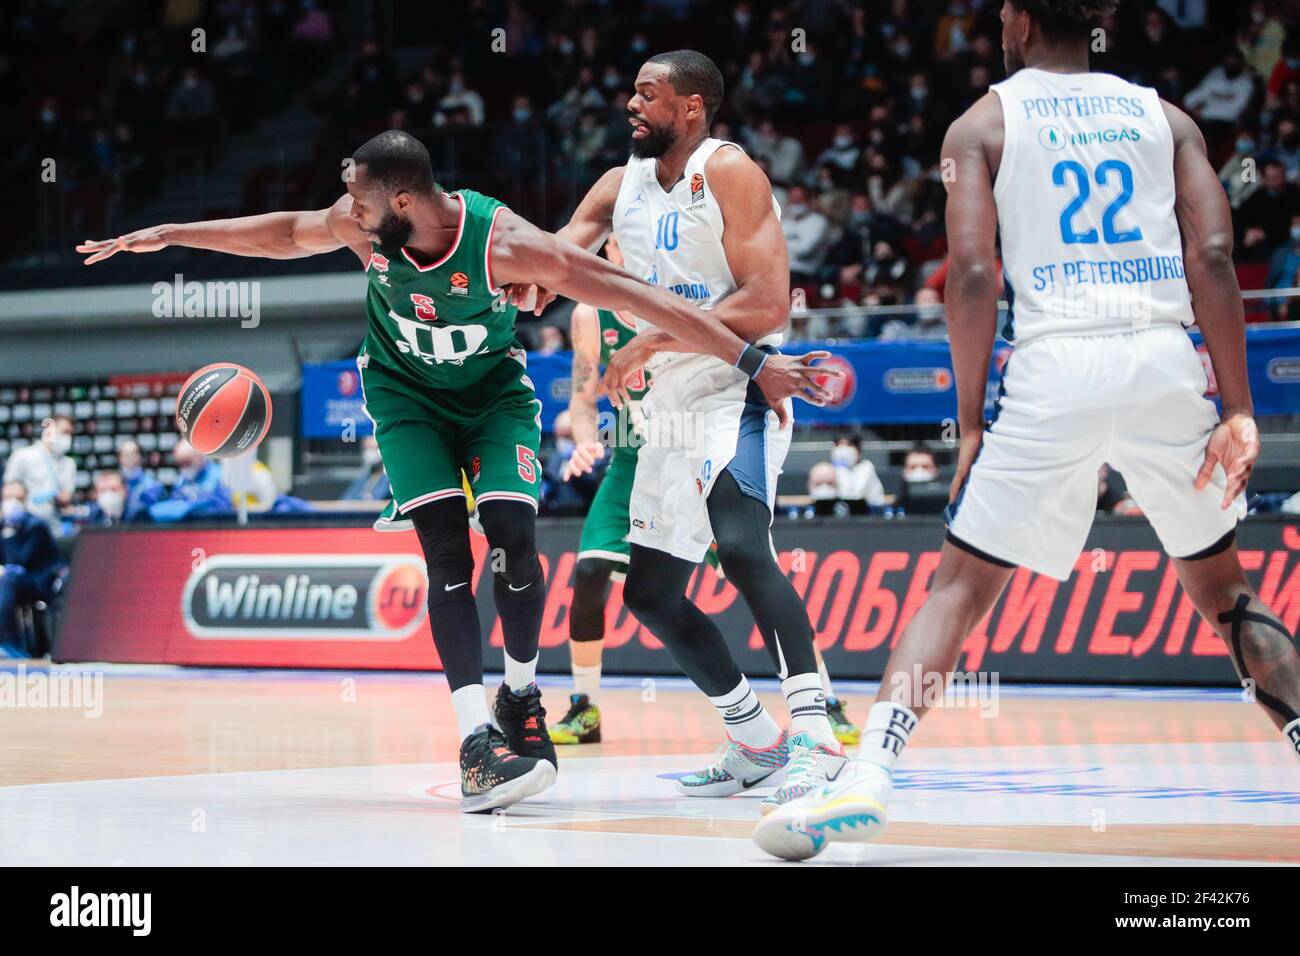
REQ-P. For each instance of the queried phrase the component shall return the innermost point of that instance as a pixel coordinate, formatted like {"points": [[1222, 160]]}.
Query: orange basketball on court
{"points": [[223, 410]]}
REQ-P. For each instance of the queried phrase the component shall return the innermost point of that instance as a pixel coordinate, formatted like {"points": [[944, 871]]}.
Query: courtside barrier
{"points": [[346, 597]]}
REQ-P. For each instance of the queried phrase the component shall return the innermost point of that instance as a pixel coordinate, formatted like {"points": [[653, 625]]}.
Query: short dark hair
{"points": [[1066, 19], [397, 162], [691, 72]]}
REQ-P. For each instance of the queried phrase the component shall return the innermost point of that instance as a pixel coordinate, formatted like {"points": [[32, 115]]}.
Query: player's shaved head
{"points": [[396, 162], [691, 72]]}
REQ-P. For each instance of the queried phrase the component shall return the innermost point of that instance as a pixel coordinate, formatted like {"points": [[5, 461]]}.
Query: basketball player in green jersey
{"points": [[445, 382]]}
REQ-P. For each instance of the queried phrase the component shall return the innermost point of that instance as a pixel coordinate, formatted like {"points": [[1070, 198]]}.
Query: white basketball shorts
{"points": [[1134, 400], [701, 416]]}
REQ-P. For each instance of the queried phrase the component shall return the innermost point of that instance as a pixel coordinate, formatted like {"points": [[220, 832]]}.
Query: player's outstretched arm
{"points": [[1205, 221], [584, 332], [275, 235], [588, 228], [971, 292], [521, 253]]}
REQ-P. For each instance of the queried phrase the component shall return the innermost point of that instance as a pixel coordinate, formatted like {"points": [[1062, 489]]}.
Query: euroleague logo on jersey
{"points": [[697, 188], [458, 284], [611, 337], [305, 597]]}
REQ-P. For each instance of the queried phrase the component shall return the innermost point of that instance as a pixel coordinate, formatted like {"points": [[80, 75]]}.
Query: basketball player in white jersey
{"points": [[1110, 215], [696, 216]]}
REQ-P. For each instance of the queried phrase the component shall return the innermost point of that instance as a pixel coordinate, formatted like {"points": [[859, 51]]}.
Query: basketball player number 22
{"points": [[1083, 189]]}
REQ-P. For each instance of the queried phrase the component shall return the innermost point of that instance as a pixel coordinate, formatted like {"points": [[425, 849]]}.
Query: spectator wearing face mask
{"points": [[1220, 99], [142, 488], [372, 482], [805, 234], [30, 564], [109, 506], [855, 476], [1232, 174], [46, 472], [923, 493], [198, 493], [1286, 260]]}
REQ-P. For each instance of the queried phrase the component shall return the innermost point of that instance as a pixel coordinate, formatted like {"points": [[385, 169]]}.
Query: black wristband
{"points": [[751, 361]]}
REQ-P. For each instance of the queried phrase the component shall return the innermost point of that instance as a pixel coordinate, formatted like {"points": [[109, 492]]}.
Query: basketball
{"points": [[223, 410]]}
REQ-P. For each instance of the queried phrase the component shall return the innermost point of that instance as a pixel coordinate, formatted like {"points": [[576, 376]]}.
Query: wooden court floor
{"points": [[1052, 776]]}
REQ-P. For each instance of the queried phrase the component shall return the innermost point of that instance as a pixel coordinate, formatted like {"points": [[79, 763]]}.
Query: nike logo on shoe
{"points": [[524, 588], [754, 783], [452, 587]]}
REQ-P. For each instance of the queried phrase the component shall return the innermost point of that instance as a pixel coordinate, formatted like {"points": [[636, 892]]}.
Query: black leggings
{"points": [[590, 592], [518, 584], [656, 593]]}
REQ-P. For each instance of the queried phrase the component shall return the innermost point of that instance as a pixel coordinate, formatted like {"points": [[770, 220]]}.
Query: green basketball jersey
{"points": [[614, 334], [440, 322]]}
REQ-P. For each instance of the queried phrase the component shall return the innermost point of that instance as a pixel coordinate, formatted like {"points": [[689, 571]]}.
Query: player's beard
{"points": [[655, 145], [393, 231], [1013, 61]]}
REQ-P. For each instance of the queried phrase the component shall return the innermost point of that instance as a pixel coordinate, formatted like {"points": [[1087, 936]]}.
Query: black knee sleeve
{"points": [[590, 591], [511, 529], [443, 527]]}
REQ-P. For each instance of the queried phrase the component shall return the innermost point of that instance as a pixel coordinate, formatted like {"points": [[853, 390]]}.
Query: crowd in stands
{"points": [[843, 102]]}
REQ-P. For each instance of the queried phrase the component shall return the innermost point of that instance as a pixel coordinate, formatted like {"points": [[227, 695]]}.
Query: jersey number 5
{"points": [[1102, 174]]}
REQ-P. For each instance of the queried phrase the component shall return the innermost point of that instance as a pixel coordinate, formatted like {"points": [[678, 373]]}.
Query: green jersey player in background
{"points": [[445, 382]]}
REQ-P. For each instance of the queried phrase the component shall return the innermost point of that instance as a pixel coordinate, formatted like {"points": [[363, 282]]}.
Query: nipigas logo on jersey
{"points": [[379, 597]]}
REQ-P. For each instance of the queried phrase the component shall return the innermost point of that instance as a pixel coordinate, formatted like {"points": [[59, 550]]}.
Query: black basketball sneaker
{"points": [[523, 720], [492, 775]]}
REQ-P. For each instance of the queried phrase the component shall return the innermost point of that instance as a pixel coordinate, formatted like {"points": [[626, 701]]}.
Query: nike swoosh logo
{"points": [[452, 587], [524, 588], [754, 783]]}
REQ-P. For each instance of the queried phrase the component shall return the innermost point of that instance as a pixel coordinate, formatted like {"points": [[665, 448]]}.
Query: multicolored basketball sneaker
{"points": [[811, 765], [739, 768], [522, 719], [492, 775], [850, 809], [581, 725], [846, 732]]}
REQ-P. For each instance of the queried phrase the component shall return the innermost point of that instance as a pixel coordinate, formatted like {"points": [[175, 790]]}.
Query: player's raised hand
{"points": [[142, 240], [786, 376], [583, 459], [527, 297], [966, 452], [1234, 444]]}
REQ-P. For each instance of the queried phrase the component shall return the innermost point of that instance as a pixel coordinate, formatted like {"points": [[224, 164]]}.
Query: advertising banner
{"points": [[885, 383], [352, 598]]}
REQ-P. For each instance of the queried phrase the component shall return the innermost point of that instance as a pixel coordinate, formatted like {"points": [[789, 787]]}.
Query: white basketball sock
{"points": [[747, 721], [807, 702], [825, 675], [1292, 734], [470, 703], [889, 726], [586, 680], [519, 674]]}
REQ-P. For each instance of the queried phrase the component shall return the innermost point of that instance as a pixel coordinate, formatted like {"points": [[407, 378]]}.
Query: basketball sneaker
{"points": [[739, 768], [812, 765], [846, 732], [849, 809], [492, 775], [581, 725], [522, 719]]}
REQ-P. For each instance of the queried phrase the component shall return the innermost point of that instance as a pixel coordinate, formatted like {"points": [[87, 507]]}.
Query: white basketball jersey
{"points": [[673, 238], [1085, 199]]}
